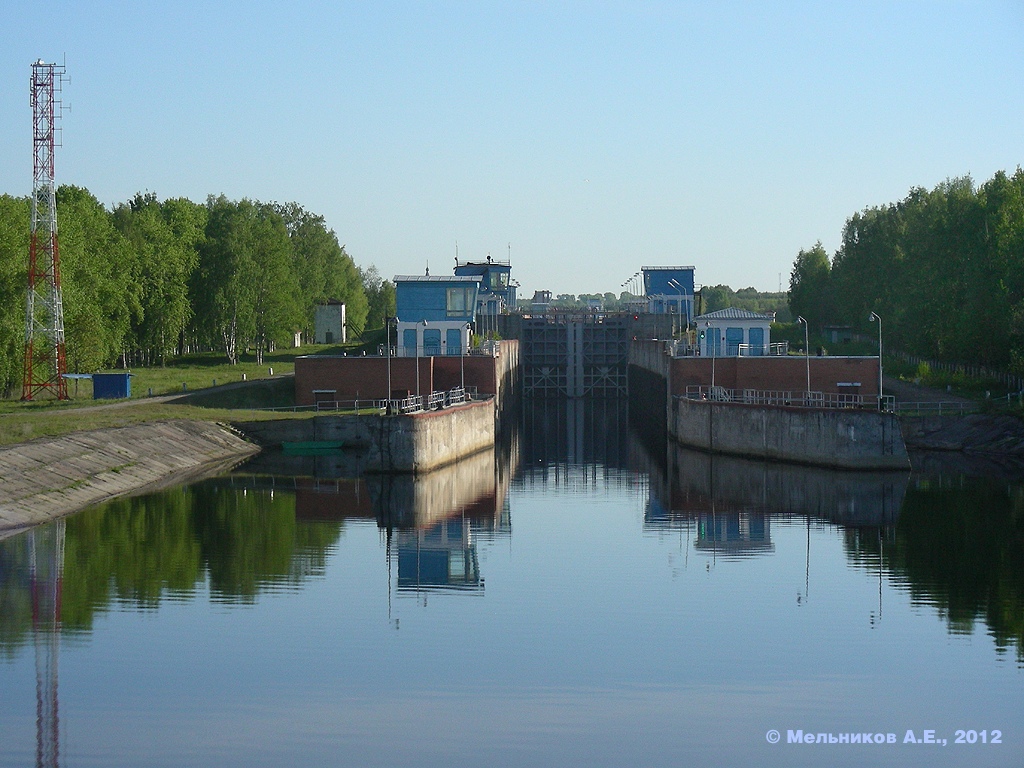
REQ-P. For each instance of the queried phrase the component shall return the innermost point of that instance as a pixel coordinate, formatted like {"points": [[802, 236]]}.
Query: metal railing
{"points": [[946, 408], [775, 349], [411, 404], [682, 348], [790, 398]]}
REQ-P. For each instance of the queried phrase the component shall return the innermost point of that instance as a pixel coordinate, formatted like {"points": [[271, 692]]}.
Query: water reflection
{"points": [[582, 629], [431, 522], [700, 484], [959, 547], [31, 586]]}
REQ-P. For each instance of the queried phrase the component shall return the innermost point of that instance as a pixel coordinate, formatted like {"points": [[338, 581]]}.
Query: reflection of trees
{"points": [[960, 547], [15, 595], [145, 549]]}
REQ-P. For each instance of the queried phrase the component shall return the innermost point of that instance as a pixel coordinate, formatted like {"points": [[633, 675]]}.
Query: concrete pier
{"points": [[839, 438], [415, 442]]}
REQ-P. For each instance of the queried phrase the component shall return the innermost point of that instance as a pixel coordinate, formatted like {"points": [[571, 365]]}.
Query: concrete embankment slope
{"points": [[47, 478]]}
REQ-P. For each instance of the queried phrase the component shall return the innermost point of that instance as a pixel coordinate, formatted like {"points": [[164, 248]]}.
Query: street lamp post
{"points": [[387, 345], [679, 304], [463, 343], [418, 332], [873, 317], [807, 355], [714, 353]]}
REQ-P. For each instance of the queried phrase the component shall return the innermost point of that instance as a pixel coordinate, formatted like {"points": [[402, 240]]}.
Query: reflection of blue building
{"points": [[497, 291], [669, 291], [441, 557], [434, 313], [734, 533]]}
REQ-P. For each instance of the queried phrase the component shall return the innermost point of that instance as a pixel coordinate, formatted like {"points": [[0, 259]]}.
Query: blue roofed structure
{"points": [[435, 313], [669, 290], [497, 289]]}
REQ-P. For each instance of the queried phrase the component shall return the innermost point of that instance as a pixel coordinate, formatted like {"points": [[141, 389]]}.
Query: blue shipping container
{"points": [[111, 386]]}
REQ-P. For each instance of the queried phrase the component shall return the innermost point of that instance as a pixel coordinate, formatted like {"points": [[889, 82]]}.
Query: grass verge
{"points": [[21, 427]]}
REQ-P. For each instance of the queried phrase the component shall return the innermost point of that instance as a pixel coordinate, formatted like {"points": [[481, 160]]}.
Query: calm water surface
{"points": [[583, 598]]}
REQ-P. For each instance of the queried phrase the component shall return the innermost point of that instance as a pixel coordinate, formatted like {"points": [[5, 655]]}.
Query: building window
{"points": [[459, 301]]}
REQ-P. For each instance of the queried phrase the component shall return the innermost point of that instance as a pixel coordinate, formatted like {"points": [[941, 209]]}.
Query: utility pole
{"points": [[44, 363]]}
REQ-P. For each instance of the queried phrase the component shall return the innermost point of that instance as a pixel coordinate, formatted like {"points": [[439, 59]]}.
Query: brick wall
{"points": [[778, 373], [365, 378]]}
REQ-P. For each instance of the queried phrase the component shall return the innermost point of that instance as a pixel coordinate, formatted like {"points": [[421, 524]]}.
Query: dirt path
{"points": [[906, 392]]}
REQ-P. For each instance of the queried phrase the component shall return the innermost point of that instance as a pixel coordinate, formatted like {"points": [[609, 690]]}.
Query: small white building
{"points": [[329, 323], [731, 332]]}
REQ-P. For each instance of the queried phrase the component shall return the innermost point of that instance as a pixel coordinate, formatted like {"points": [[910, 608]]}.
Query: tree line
{"points": [[710, 298], [149, 279], [943, 269]]}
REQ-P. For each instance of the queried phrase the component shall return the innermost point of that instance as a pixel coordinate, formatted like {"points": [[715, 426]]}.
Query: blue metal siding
{"points": [[656, 282], [416, 301]]}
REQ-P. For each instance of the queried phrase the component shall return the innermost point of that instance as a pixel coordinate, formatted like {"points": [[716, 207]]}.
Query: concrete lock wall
{"points": [[844, 438], [416, 442]]}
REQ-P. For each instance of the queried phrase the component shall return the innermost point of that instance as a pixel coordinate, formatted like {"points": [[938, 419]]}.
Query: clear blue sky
{"points": [[594, 137]]}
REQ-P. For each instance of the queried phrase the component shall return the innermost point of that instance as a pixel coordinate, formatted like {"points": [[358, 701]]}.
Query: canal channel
{"points": [[587, 593]]}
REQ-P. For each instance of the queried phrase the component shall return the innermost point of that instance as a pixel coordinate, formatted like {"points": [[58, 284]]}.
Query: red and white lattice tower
{"points": [[45, 366]]}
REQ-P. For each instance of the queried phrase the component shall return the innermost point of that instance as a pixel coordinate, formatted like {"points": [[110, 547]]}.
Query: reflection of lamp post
{"points": [[875, 318], [807, 354], [802, 600]]}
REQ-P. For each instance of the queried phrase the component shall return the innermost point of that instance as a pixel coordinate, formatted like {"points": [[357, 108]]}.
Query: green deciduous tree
{"points": [[380, 297], [15, 223], [323, 268], [165, 262], [810, 288], [99, 279]]}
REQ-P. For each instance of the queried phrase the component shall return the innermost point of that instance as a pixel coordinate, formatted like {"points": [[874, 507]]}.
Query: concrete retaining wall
{"points": [[845, 439], [416, 442], [51, 477]]}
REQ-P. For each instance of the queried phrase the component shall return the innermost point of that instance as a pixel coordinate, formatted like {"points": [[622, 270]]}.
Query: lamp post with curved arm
{"points": [[714, 352], [387, 346], [873, 317], [463, 343], [807, 354], [679, 304]]}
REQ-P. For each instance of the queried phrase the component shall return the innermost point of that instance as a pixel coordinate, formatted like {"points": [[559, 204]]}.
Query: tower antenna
{"points": [[45, 364]]}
